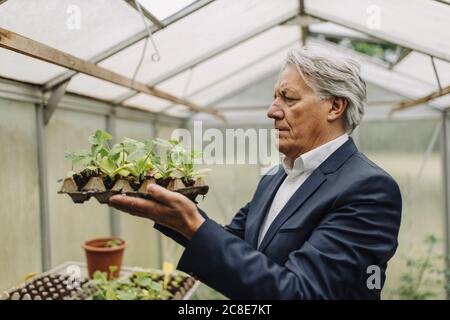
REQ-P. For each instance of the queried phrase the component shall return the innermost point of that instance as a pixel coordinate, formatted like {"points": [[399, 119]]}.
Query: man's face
{"points": [[300, 116]]}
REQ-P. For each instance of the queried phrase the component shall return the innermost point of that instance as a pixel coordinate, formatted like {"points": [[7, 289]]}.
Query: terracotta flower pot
{"points": [[99, 257]]}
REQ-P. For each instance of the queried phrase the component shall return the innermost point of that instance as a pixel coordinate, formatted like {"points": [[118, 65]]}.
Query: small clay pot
{"points": [[100, 258]]}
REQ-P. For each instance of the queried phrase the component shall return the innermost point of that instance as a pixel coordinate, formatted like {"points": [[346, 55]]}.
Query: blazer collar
{"points": [[337, 159], [331, 164], [261, 206]]}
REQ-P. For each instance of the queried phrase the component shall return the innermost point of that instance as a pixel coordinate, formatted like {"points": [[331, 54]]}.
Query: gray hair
{"points": [[331, 76]]}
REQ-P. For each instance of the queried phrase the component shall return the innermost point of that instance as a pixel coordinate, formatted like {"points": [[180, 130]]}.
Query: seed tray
{"points": [[95, 187], [56, 284]]}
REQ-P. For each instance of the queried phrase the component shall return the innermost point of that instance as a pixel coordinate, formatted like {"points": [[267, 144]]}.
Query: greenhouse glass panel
{"points": [[401, 152], [20, 67], [380, 75], [417, 65], [232, 61], [232, 19], [234, 83], [82, 28], [139, 233], [394, 21], [328, 28], [71, 225], [178, 111], [149, 103], [19, 229], [93, 87], [162, 9]]}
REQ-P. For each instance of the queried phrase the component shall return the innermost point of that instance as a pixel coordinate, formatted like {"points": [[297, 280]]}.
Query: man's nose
{"points": [[275, 112]]}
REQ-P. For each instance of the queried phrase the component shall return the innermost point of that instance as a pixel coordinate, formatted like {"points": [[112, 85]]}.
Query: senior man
{"points": [[318, 227]]}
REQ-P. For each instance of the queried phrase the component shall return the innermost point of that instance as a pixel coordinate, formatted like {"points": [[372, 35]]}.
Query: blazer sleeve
{"points": [[359, 230], [174, 235], [236, 227]]}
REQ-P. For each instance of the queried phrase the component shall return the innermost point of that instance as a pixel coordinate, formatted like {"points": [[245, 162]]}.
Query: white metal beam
{"points": [[216, 51], [43, 189], [54, 101], [374, 33], [129, 42], [20, 44], [446, 177], [242, 69]]}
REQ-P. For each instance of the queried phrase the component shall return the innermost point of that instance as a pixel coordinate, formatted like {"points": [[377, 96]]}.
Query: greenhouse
{"points": [[113, 98]]}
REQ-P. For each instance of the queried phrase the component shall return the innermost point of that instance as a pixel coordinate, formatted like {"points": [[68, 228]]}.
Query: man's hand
{"points": [[167, 208]]}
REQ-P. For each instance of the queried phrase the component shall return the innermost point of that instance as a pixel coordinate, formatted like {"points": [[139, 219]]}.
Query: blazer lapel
{"points": [[331, 164], [260, 208], [297, 199]]}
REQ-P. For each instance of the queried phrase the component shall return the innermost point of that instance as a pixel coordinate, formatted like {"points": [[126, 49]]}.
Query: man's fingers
{"points": [[162, 195], [135, 206]]}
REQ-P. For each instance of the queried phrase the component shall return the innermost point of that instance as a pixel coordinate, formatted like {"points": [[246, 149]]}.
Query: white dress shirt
{"points": [[296, 176]]}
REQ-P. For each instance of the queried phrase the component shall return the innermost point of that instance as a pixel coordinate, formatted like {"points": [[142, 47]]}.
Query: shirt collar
{"points": [[312, 159]]}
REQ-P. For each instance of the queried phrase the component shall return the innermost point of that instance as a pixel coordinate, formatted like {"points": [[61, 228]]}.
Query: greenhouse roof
{"points": [[210, 50]]}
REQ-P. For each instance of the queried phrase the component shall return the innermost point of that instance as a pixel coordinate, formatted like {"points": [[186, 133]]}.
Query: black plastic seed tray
{"points": [[57, 284]]}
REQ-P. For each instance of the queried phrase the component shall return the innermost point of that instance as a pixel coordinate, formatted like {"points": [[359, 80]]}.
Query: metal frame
{"points": [[43, 189], [243, 69], [384, 37], [446, 169], [53, 101], [146, 13], [19, 91], [213, 53], [57, 80], [442, 1], [400, 58], [243, 88], [37, 50], [304, 29]]}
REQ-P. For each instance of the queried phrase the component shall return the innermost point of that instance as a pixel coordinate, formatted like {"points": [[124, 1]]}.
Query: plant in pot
{"points": [[104, 255], [138, 286], [90, 160], [183, 162], [165, 171], [140, 159]]}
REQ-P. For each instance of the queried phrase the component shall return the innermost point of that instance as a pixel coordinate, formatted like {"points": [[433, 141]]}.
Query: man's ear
{"points": [[338, 105]]}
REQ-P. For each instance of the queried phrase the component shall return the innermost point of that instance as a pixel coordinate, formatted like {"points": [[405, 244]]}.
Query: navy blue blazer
{"points": [[343, 219]]}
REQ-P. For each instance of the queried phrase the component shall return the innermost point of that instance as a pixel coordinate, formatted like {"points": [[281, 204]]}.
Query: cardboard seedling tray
{"points": [[95, 187]]}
